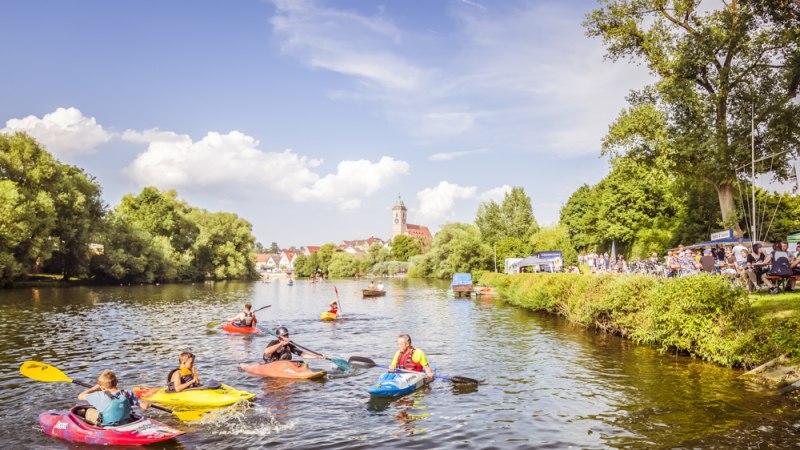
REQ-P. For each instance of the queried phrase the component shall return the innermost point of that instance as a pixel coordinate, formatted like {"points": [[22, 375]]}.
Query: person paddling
{"points": [[371, 286], [282, 349], [247, 318], [185, 376], [410, 358], [333, 307], [111, 406]]}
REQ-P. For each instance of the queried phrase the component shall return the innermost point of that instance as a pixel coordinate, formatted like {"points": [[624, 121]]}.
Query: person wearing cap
{"points": [[282, 348], [689, 265], [708, 262]]}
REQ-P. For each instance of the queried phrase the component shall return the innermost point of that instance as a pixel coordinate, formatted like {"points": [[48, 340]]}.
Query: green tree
{"points": [[554, 238], [223, 249], [160, 213], [343, 265], [325, 254], [404, 247], [305, 266], [457, 247], [714, 67], [512, 218], [510, 247], [79, 210], [130, 255]]}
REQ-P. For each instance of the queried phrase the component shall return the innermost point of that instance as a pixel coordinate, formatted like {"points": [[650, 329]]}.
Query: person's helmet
{"points": [[282, 331]]}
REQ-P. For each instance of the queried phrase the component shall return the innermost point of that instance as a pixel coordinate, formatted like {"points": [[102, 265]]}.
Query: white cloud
{"points": [[233, 162], [345, 42], [496, 194], [447, 156], [66, 132], [524, 77], [353, 179], [437, 204]]}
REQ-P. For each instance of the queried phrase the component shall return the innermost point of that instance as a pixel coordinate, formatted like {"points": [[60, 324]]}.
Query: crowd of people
{"points": [[763, 266]]}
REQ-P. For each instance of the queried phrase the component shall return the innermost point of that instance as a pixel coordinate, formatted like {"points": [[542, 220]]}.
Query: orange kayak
{"points": [[237, 329], [298, 370]]}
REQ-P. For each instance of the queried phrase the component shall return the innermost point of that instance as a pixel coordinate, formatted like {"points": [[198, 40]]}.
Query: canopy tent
{"points": [[533, 261], [794, 236], [729, 241], [461, 279]]}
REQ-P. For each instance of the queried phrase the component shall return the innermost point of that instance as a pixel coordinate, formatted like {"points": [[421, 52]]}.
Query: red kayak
{"points": [[71, 426], [238, 329]]}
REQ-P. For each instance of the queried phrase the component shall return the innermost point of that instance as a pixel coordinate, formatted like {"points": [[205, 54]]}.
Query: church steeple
{"points": [[399, 218]]}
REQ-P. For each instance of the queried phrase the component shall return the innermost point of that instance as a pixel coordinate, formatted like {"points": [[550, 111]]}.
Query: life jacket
{"points": [[780, 264], [118, 411], [184, 377], [333, 309], [248, 319], [284, 354], [405, 361]]}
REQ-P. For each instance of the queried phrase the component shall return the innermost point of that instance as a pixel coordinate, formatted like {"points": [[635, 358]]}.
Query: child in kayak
{"points": [[185, 376], [247, 318], [410, 358], [334, 307], [112, 406]]}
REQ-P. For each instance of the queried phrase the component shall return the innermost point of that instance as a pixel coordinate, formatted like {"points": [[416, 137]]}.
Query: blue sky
{"points": [[308, 118]]}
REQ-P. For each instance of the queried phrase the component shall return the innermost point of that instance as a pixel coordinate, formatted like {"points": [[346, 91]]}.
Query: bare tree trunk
{"points": [[728, 208]]}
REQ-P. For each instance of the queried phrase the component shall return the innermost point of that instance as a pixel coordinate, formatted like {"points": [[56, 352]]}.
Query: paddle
{"points": [[49, 374], [340, 313], [217, 322], [340, 363], [366, 363]]}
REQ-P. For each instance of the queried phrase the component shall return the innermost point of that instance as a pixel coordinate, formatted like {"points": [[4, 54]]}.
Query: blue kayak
{"points": [[397, 384]]}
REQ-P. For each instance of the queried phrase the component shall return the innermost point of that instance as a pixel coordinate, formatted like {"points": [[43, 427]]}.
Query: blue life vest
{"points": [[118, 411]]}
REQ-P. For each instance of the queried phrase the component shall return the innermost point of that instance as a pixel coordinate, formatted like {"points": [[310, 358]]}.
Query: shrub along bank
{"points": [[702, 316]]}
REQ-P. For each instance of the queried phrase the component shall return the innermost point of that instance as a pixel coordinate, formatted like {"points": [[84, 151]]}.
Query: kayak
{"points": [[297, 370], [193, 397], [238, 329], [327, 316], [399, 383], [372, 293], [71, 426]]}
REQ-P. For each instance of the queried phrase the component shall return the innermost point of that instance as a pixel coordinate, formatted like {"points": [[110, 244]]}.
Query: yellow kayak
{"points": [[193, 398], [327, 316]]}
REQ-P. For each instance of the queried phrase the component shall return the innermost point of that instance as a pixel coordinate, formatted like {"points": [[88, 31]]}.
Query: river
{"points": [[548, 384]]}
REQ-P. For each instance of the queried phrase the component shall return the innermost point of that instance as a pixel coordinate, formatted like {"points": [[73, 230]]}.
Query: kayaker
{"points": [[247, 318], [282, 349], [410, 358], [185, 376], [334, 307], [112, 406]]}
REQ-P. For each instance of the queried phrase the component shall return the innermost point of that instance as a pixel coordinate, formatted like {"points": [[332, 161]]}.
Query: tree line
{"points": [[53, 220]]}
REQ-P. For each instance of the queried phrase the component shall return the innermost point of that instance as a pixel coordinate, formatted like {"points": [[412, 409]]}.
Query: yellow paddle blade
{"points": [[42, 372]]}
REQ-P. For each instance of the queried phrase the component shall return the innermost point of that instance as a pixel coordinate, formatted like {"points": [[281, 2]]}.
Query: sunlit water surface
{"points": [[548, 384]]}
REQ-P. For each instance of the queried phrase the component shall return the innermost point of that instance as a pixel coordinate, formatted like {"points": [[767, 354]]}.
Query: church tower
{"points": [[399, 218]]}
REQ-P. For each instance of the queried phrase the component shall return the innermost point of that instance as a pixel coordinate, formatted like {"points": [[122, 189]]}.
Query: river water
{"points": [[548, 384]]}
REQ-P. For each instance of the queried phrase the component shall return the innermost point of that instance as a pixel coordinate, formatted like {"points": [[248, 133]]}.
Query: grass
{"points": [[778, 306]]}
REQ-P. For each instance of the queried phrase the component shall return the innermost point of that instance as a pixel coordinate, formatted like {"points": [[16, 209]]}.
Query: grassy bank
{"points": [[701, 316]]}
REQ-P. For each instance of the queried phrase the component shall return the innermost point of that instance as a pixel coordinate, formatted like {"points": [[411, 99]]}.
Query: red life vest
{"points": [[405, 362]]}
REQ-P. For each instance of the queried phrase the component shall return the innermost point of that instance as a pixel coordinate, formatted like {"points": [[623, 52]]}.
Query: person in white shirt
{"points": [[737, 253]]}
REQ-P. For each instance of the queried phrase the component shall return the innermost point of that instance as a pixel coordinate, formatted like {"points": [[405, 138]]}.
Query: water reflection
{"points": [[548, 384]]}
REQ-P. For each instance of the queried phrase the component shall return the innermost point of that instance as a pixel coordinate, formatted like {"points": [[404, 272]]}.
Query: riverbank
{"points": [[701, 316]]}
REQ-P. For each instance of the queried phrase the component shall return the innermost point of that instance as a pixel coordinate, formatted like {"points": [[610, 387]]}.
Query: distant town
{"points": [[283, 260]]}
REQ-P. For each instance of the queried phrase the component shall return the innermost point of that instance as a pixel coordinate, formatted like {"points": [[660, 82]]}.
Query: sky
{"points": [[308, 117]]}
